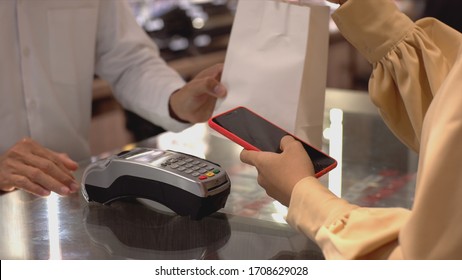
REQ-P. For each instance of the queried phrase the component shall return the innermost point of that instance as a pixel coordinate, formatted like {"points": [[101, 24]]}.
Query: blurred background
{"points": [[193, 34], [185, 28]]}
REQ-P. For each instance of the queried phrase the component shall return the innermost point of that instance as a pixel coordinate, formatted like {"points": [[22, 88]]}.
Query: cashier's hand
{"points": [[35, 169], [278, 173], [196, 101]]}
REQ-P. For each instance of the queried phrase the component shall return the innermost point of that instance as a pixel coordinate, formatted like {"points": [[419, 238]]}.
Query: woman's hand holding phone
{"points": [[279, 172], [254, 132]]}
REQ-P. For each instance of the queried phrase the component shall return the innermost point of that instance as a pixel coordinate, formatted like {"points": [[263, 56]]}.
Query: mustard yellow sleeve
{"points": [[343, 230], [416, 85], [410, 61]]}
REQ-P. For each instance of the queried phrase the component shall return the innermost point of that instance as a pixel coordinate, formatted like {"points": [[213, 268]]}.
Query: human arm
{"points": [[35, 169], [415, 84], [343, 230], [410, 61], [142, 81]]}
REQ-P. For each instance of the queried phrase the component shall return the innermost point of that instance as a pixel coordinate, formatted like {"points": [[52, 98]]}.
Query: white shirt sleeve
{"points": [[129, 60]]}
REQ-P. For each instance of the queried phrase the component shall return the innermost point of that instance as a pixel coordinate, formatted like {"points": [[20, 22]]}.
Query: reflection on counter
{"points": [[53, 227], [143, 233], [152, 234]]}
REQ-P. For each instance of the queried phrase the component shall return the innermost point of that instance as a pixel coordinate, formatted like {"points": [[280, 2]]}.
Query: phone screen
{"points": [[265, 136]]}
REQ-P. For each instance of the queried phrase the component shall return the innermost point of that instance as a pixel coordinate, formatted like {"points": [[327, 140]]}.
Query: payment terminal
{"points": [[188, 185]]}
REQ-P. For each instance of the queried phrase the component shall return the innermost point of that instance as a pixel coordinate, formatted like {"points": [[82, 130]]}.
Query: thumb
{"points": [[212, 72], [209, 86], [249, 157], [285, 141]]}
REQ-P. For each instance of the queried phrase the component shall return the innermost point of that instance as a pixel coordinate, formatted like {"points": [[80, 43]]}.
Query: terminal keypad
{"points": [[192, 166]]}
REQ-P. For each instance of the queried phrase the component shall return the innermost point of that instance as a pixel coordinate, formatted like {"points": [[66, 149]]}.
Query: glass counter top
{"points": [[374, 169]]}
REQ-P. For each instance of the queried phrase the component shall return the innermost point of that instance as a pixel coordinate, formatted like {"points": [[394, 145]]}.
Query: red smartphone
{"points": [[253, 132]]}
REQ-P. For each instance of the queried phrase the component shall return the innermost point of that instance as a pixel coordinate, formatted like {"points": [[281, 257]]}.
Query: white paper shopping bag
{"points": [[276, 64]]}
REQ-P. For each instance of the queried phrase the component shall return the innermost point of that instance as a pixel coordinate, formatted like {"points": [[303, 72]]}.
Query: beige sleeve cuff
{"points": [[312, 206], [382, 25]]}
